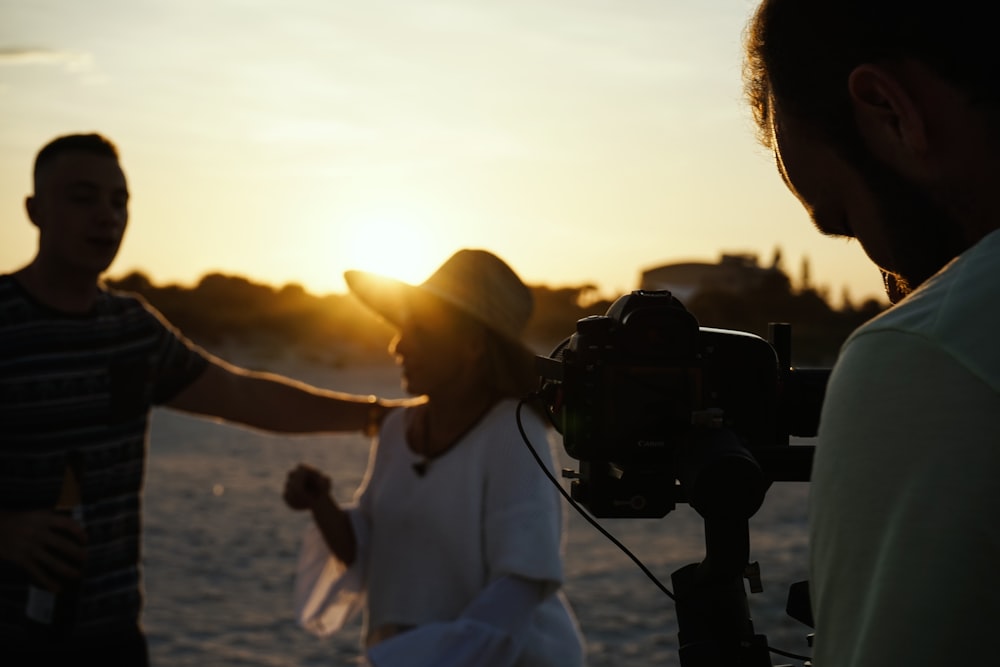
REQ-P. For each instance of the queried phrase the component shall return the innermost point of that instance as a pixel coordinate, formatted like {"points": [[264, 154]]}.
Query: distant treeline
{"points": [[337, 329]]}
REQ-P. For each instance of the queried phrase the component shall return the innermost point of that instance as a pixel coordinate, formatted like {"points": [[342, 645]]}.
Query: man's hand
{"points": [[305, 487], [48, 545]]}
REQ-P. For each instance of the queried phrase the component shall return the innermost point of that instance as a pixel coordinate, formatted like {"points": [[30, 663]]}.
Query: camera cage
{"points": [[658, 410]]}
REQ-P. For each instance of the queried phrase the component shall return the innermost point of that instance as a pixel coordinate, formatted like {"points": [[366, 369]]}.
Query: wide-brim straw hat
{"points": [[477, 282]]}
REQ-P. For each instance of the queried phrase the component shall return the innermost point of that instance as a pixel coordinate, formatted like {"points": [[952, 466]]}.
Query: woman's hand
{"points": [[305, 487]]}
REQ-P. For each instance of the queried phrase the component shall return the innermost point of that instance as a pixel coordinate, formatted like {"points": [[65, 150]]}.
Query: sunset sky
{"points": [[581, 140]]}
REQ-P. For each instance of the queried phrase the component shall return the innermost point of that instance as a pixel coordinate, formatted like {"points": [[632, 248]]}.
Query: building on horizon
{"points": [[735, 273]]}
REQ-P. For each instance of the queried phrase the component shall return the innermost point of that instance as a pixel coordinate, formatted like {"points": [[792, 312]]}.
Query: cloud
{"points": [[73, 61]]}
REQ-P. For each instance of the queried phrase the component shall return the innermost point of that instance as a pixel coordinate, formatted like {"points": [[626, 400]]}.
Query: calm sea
{"points": [[221, 547]]}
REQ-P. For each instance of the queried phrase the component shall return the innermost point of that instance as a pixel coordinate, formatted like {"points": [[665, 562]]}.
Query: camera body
{"points": [[659, 410]]}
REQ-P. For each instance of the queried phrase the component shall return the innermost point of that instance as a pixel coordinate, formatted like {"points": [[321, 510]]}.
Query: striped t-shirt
{"points": [[82, 386]]}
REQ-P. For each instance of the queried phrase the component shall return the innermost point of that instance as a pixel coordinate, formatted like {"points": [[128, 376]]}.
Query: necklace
{"points": [[424, 440], [424, 445]]}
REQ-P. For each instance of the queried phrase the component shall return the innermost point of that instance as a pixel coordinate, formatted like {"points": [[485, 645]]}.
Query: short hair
{"points": [[801, 52], [73, 143]]}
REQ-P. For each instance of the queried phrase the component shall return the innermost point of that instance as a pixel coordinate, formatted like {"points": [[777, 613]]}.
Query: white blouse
{"points": [[428, 546]]}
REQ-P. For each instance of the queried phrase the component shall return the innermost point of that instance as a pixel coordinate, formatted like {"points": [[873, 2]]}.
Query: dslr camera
{"points": [[659, 410]]}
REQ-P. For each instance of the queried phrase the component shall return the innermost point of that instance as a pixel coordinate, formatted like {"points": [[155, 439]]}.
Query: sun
{"points": [[394, 247]]}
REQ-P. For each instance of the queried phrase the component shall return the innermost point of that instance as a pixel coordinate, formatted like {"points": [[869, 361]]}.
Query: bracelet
{"points": [[375, 413]]}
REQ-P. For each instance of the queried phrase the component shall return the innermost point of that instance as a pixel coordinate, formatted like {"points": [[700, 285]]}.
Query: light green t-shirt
{"points": [[905, 488]]}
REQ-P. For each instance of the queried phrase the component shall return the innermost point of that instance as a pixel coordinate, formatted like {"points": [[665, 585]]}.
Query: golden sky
{"points": [[581, 140]]}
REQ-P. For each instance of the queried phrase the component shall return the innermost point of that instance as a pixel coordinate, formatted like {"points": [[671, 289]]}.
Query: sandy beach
{"points": [[220, 547]]}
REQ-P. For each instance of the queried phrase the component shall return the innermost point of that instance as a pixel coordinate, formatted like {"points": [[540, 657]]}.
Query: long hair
{"points": [[509, 367]]}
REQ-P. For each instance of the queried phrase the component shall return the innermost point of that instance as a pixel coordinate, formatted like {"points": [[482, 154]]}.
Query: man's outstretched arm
{"points": [[272, 402]]}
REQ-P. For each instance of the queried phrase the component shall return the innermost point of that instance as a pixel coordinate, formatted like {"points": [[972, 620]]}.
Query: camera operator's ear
{"points": [[889, 116]]}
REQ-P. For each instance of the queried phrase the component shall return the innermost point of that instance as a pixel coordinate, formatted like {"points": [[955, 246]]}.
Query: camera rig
{"points": [[659, 410]]}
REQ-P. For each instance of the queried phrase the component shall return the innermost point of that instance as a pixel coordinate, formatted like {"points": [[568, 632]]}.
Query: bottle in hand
{"points": [[57, 609]]}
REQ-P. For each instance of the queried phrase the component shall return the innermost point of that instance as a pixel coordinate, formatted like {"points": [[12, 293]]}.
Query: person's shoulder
{"points": [[117, 301], [954, 312], [960, 298], [8, 286], [395, 417], [16, 304], [513, 421], [124, 297], [8, 294], [513, 410]]}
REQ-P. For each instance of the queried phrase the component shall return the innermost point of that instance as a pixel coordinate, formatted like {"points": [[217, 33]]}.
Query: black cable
{"points": [[580, 510], [601, 529]]}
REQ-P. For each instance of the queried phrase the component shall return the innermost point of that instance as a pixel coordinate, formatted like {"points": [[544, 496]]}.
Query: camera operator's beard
{"points": [[922, 234]]}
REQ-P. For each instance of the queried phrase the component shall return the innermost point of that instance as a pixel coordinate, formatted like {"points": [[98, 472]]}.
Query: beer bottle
{"points": [[58, 609]]}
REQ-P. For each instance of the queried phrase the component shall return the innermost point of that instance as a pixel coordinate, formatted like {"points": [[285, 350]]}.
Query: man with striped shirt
{"points": [[80, 368]]}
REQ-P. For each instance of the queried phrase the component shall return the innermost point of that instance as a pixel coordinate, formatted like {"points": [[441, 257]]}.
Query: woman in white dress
{"points": [[452, 547]]}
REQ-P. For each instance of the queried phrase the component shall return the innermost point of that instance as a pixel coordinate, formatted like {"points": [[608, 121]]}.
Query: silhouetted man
{"points": [[80, 368]]}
